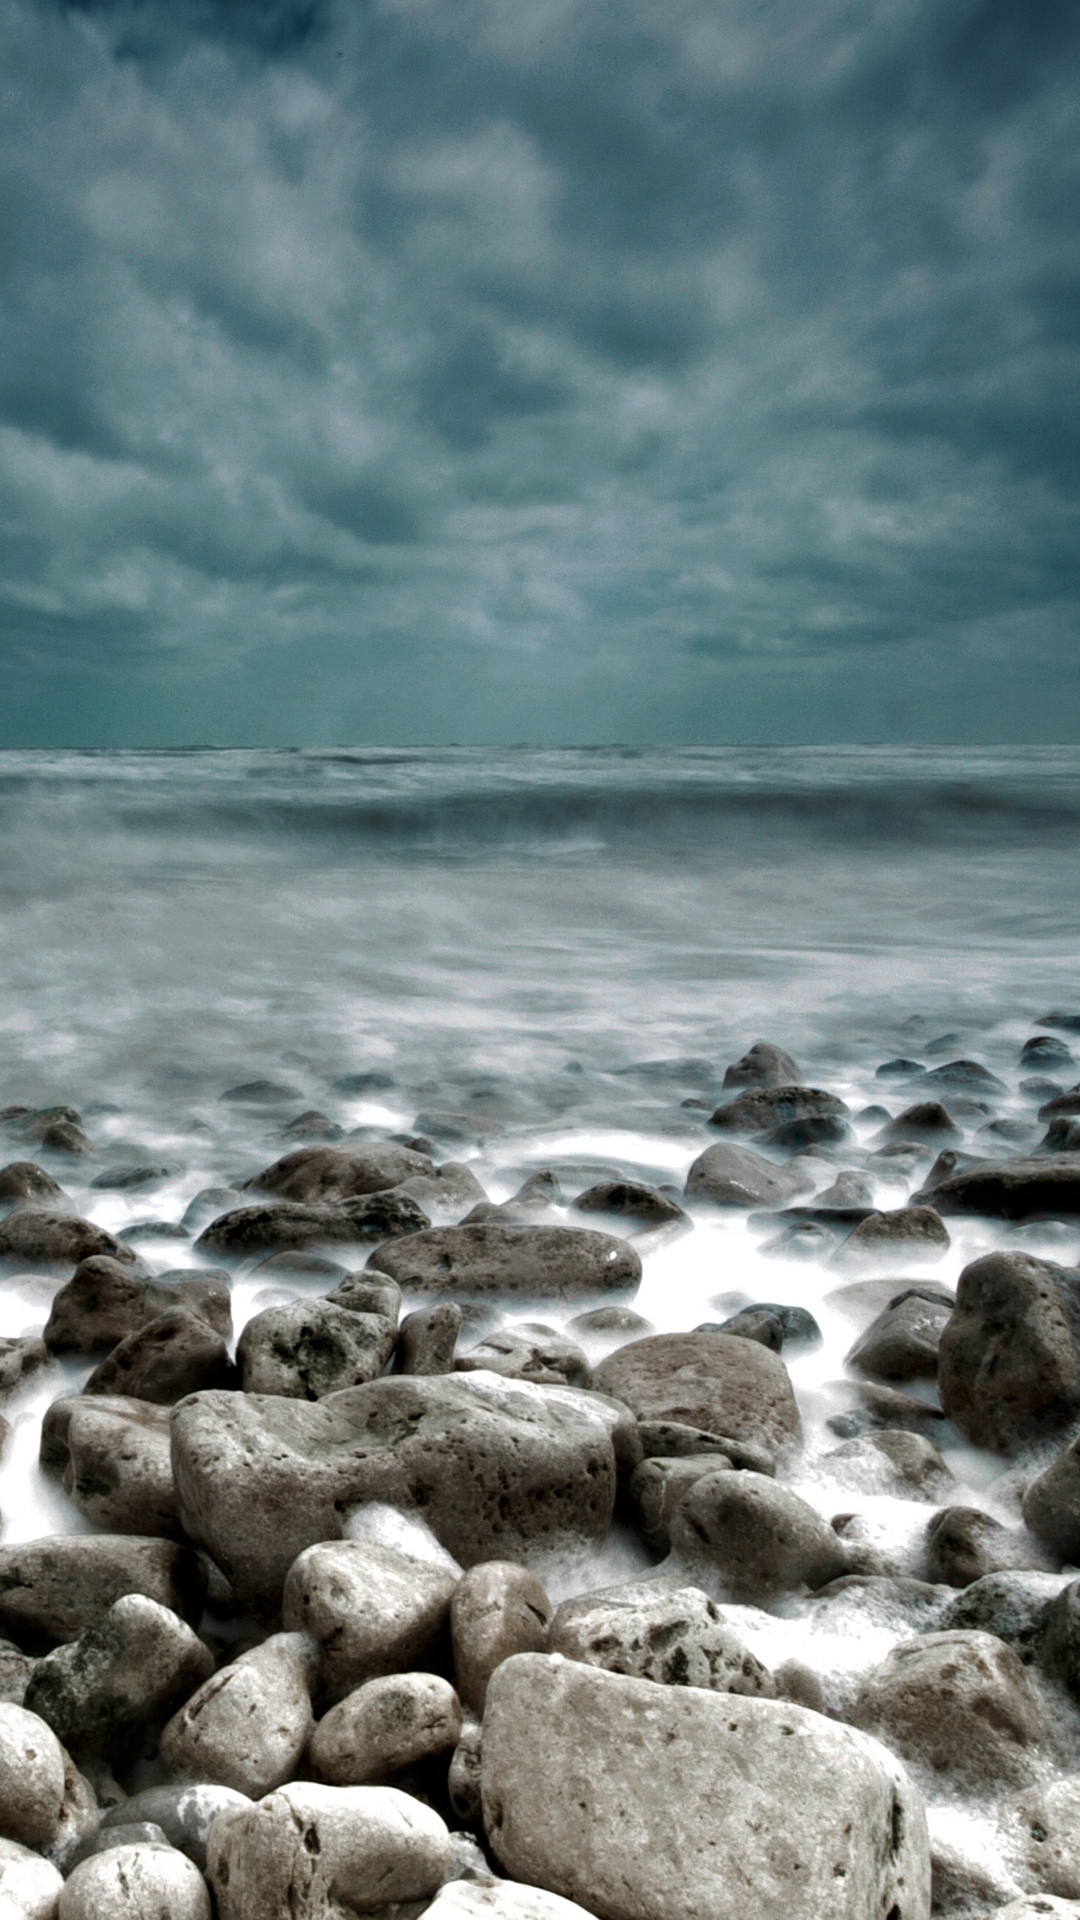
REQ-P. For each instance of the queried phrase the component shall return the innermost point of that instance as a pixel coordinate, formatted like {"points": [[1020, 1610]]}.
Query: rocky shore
{"points": [[416, 1561]]}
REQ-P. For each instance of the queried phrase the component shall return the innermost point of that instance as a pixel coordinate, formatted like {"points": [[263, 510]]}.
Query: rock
{"points": [[963, 1880], [1008, 1367], [1052, 1505], [1057, 1628], [1037, 1906], [711, 1381], [131, 1668], [528, 1352], [175, 1353], [907, 1233], [29, 1886], [259, 1093], [1015, 1606], [307, 1852], [963, 1544], [37, 1237], [1037, 1188], [248, 1725], [312, 1125], [658, 1486], [427, 1339], [385, 1725], [498, 1608], [1048, 1819], [465, 1129], [771, 1325], [492, 1465], [968, 1076], [31, 1778], [729, 1176], [368, 1292], [24, 1183], [647, 1803], [761, 1110], [115, 1458], [463, 1775], [550, 1263], [960, 1705], [15, 1670], [634, 1199], [133, 1882], [318, 1175], [500, 1900], [902, 1343], [51, 1590], [611, 1326], [310, 1348], [892, 1461], [284, 1224], [20, 1357], [677, 1638], [762, 1065], [207, 1205], [927, 1121], [183, 1813], [1044, 1051], [451, 1189], [135, 1175], [762, 1539], [105, 1300], [873, 1407], [373, 1081], [372, 1610]]}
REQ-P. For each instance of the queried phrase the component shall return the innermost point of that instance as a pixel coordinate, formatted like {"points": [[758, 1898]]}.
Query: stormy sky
{"points": [[541, 370]]}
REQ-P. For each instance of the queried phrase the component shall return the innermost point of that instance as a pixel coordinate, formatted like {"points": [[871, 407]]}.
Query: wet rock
{"points": [[552, 1263], [1037, 1188], [183, 1813], [385, 1725], [309, 1348], [1044, 1052], [31, 1778], [812, 1130], [962, 1881], [1013, 1605], [312, 1125], [36, 1236], [371, 1608], [658, 1486], [760, 1110], [106, 1299], [15, 1670], [134, 1175], [1059, 1637], [968, 1076], [1048, 1820], [53, 1589], [529, 1352], [207, 1205], [873, 1407], [457, 1129], [128, 1670], [20, 1358], [963, 1544], [1009, 1370], [760, 1540], [29, 1886], [803, 1240], [497, 1609], [259, 1093], [613, 1325], [905, 1233], [762, 1065], [849, 1189], [1052, 1505], [133, 1882], [177, 1352], [24, 1183], [677, 1638], [248, 1725], [892, 1461], [320, 1175], [492, 1466], [634, 1199], [899, 1069], [285, 1224], [427, 1339], [726, 1175], [927, 1121], [705, 1380], [463, 1775], [672, 1439], [771, 1325], [373, 1080], [960, 1705], [448, 1192], [114, 1456], [902, 1343], [662, 1802], [310, 1852]]}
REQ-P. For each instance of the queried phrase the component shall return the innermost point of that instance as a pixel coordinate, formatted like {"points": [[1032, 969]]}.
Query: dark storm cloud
{"points": [[702, 369]]}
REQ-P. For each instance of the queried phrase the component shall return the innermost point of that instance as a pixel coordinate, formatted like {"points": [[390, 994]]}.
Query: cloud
{"points": [[697, 370]]}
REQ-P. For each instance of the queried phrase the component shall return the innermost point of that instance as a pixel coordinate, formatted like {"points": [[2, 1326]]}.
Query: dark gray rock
{"points": [[659, 1485], [309, 1348], [427, 1339], [1008, 1365], [529, 1352], [795, 1327], [726, 1175], [371, 1609], [634, 1199], [114, 1456], [324, 1175], [759, 1110], [135, 1175], [968, 1076], [1044, 1051], [1038, 1188], [177, 1352], [20, 1358], [283, 1224], [312, 1125], [1012, 1605], [494, 1467], [678, 1638], [763, 1065], [106, 1299], [1058, 1638], [762, 1540], [34, 1236], [927, 1121], [207, 1205], [24, 1183], [497, 1609], [125, 1673], [710, 1381], [960, 1705], [552, 1263], [905, 1233], [52, 1590], [963, 1544], [673, 1439], [260, 1093], [902, 1343], [891, 1461]]}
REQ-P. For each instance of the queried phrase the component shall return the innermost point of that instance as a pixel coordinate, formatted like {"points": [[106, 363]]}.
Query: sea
{"points": [[569, 946]]}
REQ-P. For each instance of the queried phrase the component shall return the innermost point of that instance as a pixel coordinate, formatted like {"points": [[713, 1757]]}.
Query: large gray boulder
{"points": [[310, 1852], [1008, 1363], [1052, 1505], [371, 1609], [760, 1110], [105, 1300], [902, 1343], [759, 1539], [51, 1590], [177, 1352], [960, 1705], [495, 1467], [306, 1349], [35, 1237], [128, 1670], [762, 1065], [713, 1381], [315, 1175], [114, 1456], [657, 1803], [729, 1176], [1040, 1187], [496, 1258], [281, 1225]]}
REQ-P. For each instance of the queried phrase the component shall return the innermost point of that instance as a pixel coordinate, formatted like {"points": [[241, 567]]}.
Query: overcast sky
{"points": [[555, 370]]}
